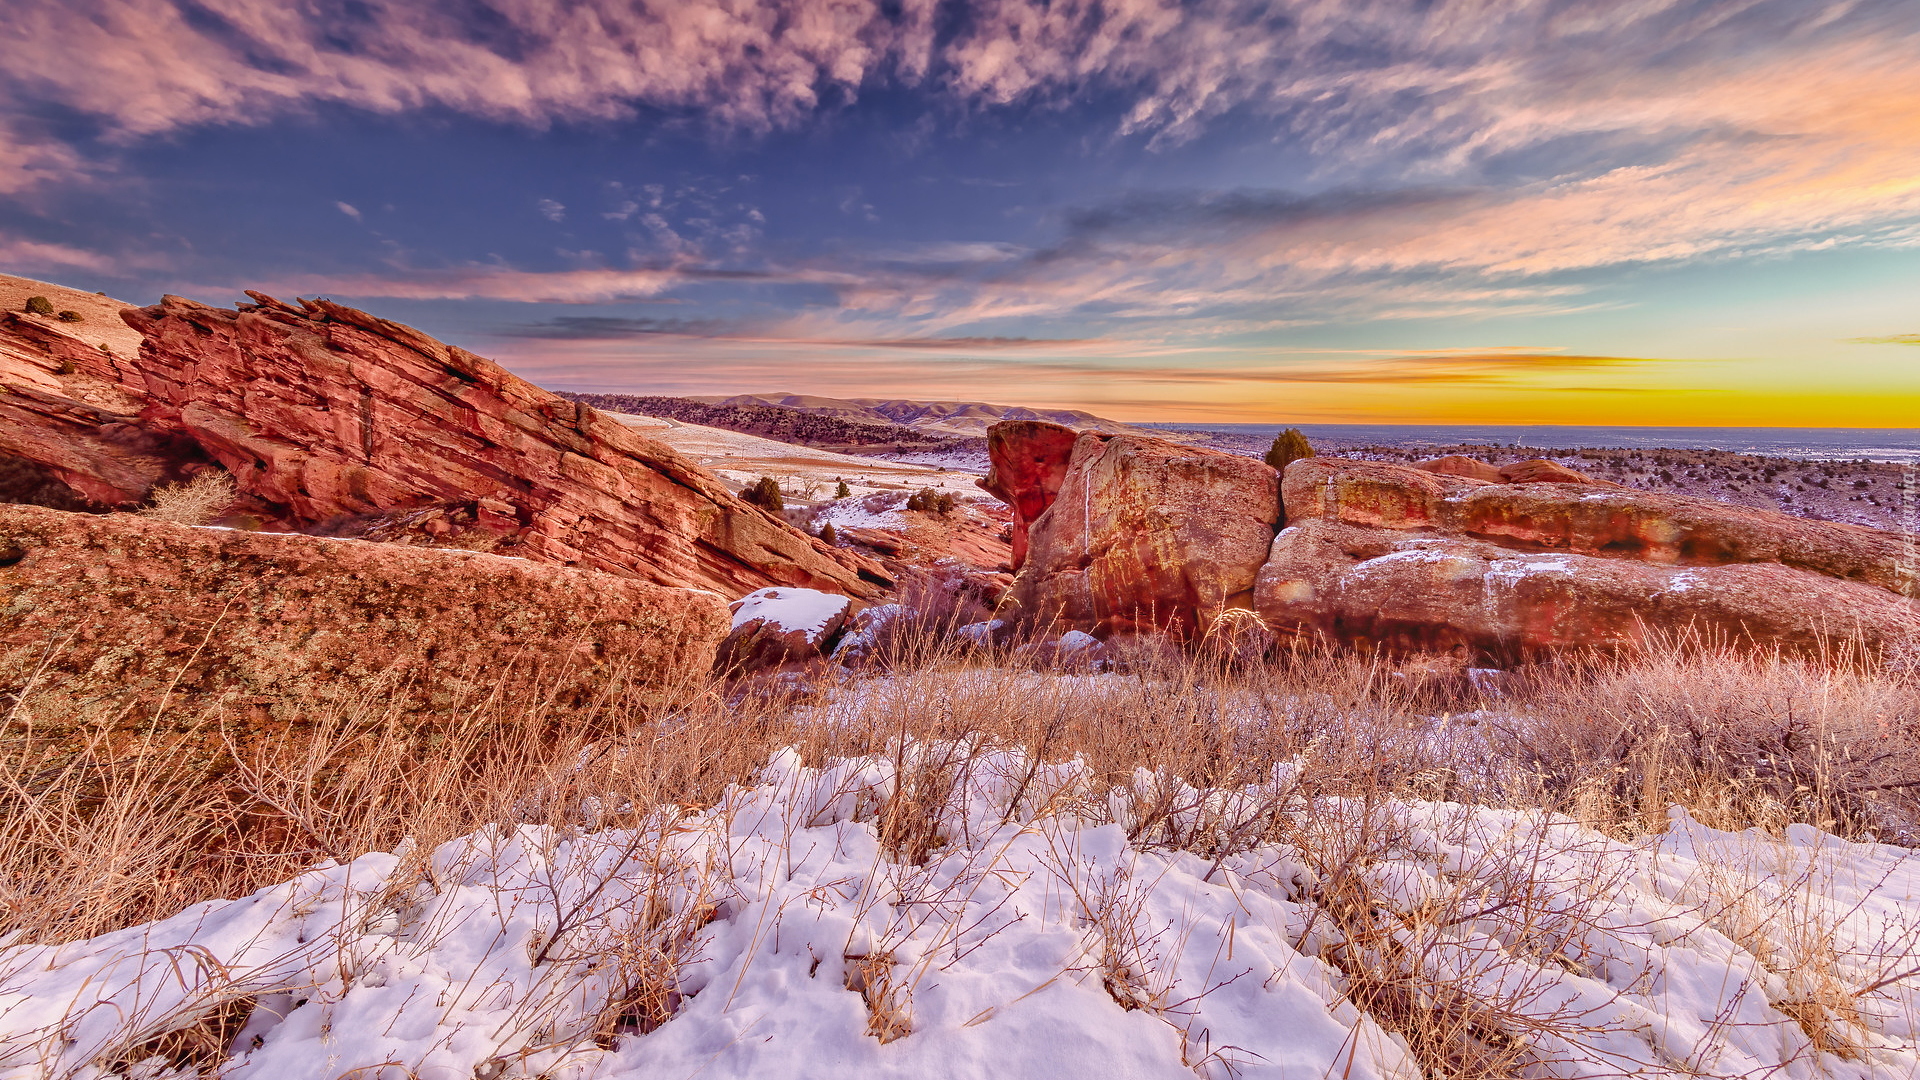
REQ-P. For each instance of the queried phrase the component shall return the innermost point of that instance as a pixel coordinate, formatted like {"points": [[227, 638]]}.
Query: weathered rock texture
{"points": [[105, 617], [330, 419], [1407, 559], [1028, 463], [1139, 534]]}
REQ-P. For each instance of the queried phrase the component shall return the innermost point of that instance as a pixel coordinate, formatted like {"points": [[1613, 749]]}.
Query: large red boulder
{"points": [[1405, 559], [1028, 463], [332, 420], [1141, 533]]}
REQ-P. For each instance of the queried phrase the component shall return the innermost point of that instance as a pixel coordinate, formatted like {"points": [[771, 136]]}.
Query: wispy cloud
{"points": [[1717, 129], [1453, 78]]}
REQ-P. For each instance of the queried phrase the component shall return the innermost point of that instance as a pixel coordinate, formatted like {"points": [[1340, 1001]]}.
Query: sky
{"points": [[1610, 212]]}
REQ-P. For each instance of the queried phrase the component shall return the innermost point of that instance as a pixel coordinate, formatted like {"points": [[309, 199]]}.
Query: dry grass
{"points": [[104, 836]]}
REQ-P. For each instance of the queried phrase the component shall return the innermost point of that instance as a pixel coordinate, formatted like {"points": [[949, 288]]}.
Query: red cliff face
{"points": [[324, 415]]}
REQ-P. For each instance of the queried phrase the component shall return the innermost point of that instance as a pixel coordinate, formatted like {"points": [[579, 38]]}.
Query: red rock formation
{"points": [[1138, 533], [113, 612], [1677, 530], [1462, 466], [1537, 471], [1406, 559], [326, 416], [1542, 471], [1028, 464], [61, 411]]}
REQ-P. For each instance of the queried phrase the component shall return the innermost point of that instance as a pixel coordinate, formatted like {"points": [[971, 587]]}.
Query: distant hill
{"points": [[964, 418], [803, 427]]}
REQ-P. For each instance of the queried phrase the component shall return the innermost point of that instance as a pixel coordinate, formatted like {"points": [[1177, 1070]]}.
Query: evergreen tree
{"points": [[1289, 446], [843, 491], [765, 493], [829, 535]]}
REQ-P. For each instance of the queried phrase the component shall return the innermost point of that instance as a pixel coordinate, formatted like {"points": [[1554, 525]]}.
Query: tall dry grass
{"points": [[105, 833]]}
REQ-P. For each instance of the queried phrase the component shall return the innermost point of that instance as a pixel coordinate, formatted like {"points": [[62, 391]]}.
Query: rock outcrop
{"points": [[332, 420], [1139, 534], [1535, 471], [1542, 471], [109, 617], [1463, 466], [1410, 560], [1136, 534], [775, 629], [1028, 463]]}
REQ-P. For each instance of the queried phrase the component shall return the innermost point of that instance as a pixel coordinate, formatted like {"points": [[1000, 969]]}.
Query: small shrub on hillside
{"points": [[829, 535], [929, 501], [196, 502], [765, 493], [1289, 446], [70, 316], [842, 491], [39, 305]]}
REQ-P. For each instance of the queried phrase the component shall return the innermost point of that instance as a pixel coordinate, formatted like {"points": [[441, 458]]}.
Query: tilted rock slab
{"points": [[1142, 534], [322, 411], [106, 618], [329, 419], [1405, 559]]}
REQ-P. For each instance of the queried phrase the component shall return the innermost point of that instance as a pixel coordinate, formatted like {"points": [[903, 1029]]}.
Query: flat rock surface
{"points": [[104, 613]]}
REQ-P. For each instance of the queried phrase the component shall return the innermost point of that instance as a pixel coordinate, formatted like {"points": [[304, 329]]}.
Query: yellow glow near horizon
{"points": [[1875, 386]]}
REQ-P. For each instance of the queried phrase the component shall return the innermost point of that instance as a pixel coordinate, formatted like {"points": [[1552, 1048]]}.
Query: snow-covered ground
{"points": [[1029, 924]]}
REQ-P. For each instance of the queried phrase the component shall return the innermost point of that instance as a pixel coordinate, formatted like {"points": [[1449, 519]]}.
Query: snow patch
{"points": [[806, 610]]}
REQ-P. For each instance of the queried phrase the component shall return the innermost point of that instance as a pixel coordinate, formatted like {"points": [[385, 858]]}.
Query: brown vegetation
{"points": [[102, 835]]}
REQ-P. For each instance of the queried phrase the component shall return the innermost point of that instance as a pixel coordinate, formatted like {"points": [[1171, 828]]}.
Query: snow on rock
{"points": [[864, 633], [980, 633], [1036, 926], [808, 611], [1077, 641]]}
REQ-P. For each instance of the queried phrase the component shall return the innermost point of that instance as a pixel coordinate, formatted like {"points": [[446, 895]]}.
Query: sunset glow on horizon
{"points": [[1691, 213]]}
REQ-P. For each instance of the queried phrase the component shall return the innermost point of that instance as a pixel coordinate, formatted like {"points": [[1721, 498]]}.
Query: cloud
{"points": [[20, 254], [1896, 339], [608, 328], [551, 209], [484, 283], [1371, 76], [349, 209], [1713, 128]]}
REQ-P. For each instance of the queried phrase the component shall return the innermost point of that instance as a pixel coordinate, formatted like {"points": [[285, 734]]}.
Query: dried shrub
{"points": [[202, 499]]}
